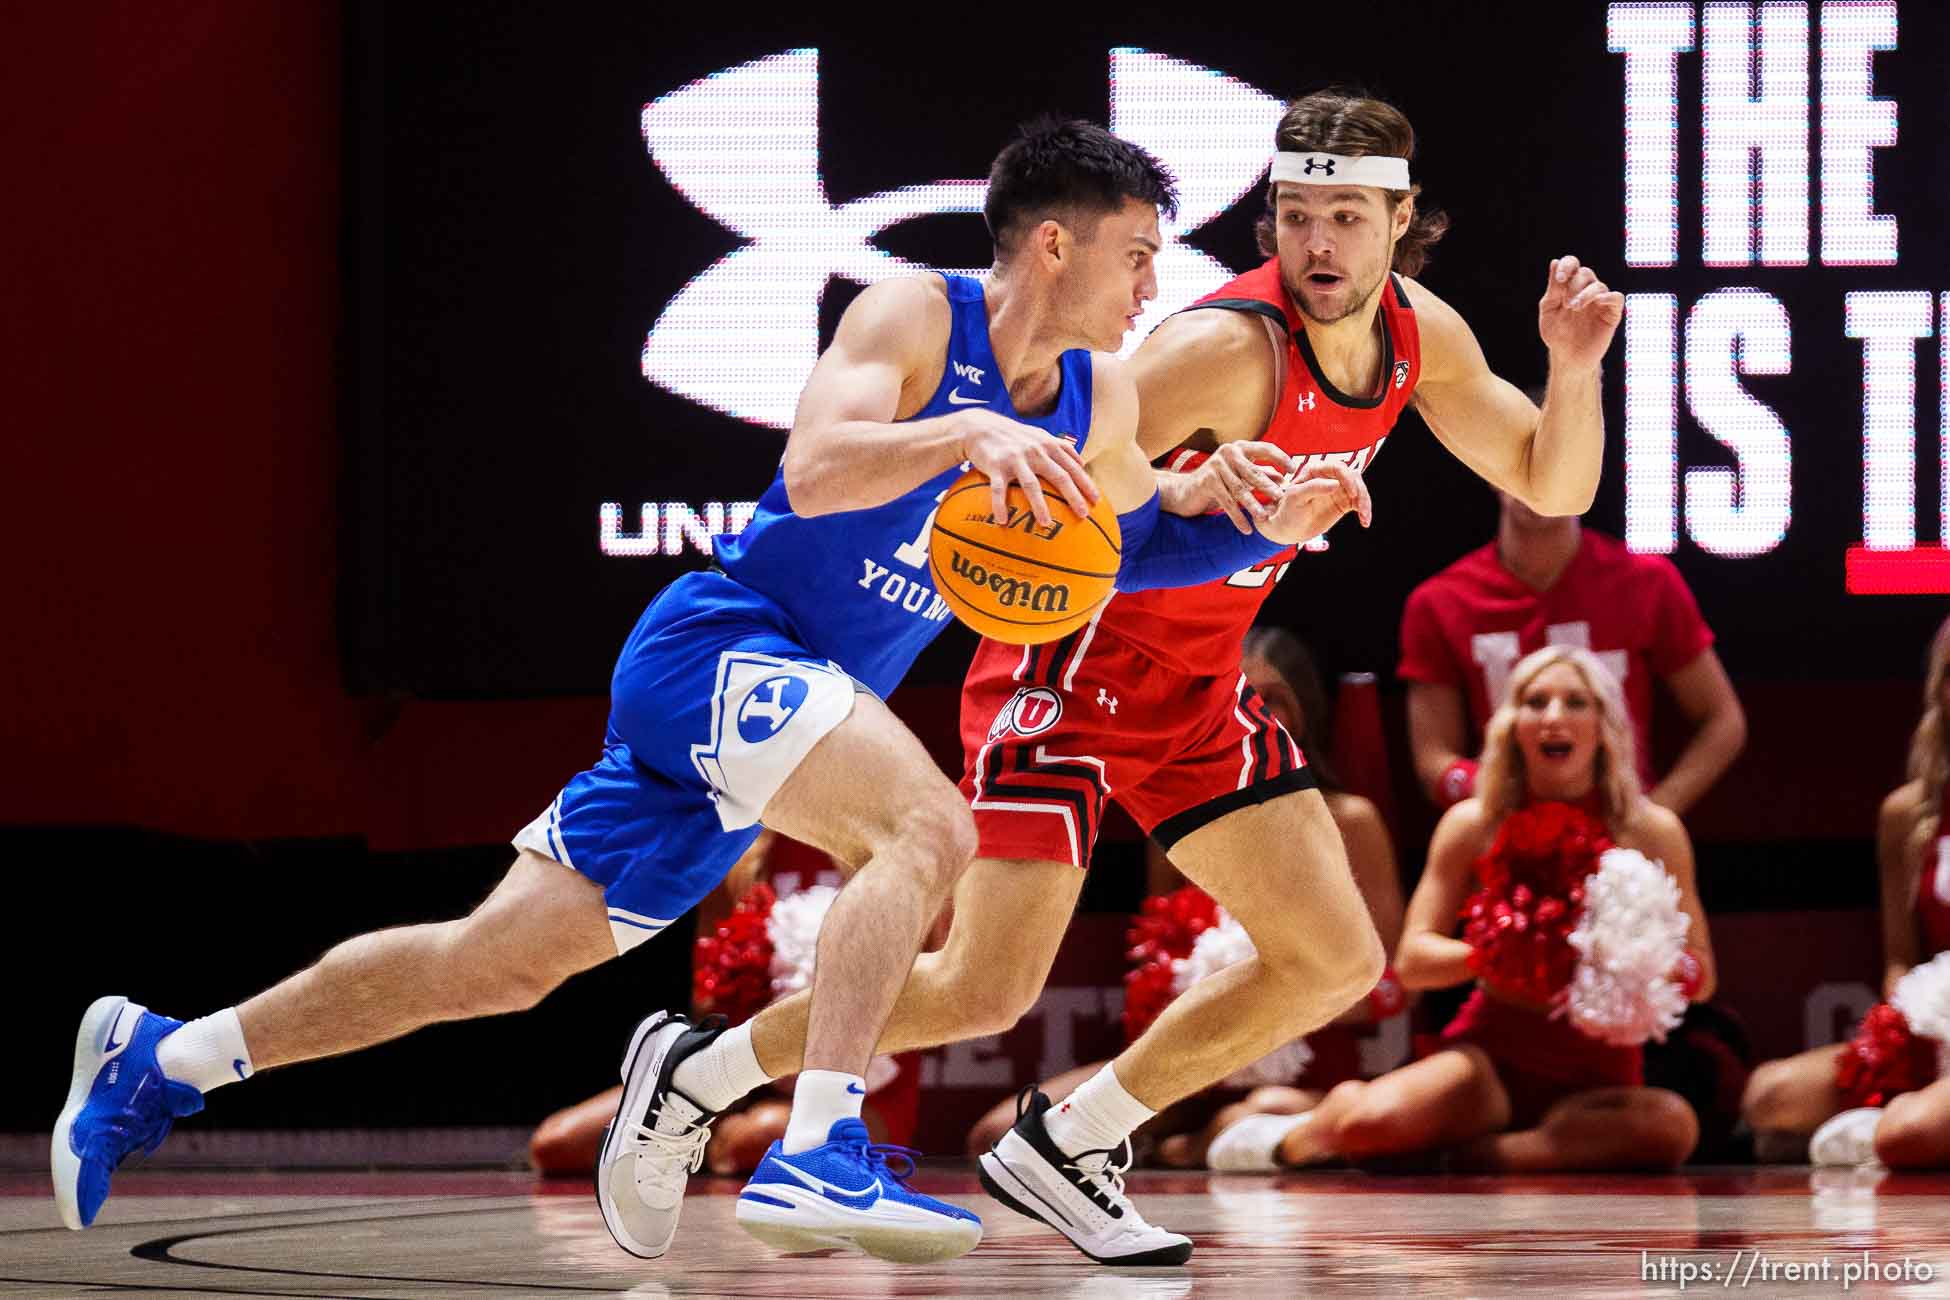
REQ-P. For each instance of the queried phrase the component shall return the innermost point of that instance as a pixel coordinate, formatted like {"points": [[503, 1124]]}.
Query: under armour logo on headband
{"points": [[1377, 170]]}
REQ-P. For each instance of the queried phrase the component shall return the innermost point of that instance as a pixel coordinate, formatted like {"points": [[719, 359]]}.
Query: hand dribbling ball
{"points": [[1014, 580]]}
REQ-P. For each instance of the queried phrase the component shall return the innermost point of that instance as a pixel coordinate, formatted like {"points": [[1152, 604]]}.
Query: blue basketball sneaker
{"points": [[848, 1193], [118, 1101]]}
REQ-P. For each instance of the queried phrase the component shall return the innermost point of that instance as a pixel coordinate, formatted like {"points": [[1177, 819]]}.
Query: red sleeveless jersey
{"points": [[1198, 630]]}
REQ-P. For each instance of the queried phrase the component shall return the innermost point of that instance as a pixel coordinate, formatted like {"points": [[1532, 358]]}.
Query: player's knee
{"points": [[939, 834], [992, 1001], [1336, 976], [489, 980]]}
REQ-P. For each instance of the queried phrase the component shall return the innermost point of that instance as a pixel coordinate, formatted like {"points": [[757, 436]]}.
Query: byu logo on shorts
{"points": [[769, 706]]}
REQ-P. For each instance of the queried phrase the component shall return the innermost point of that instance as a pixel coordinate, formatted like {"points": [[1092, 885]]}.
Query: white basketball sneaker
{"points": [[1081, 1196], [1846, 1139], [657, 1139]]}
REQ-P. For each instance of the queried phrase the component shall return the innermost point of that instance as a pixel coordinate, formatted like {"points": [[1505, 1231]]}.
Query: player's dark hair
{"points": [[1291, 659], [1355, 125], [1073, 171]]}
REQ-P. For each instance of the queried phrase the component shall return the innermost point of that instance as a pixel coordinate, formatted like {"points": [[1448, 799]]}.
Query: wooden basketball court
{"points": [[410, 1235]]}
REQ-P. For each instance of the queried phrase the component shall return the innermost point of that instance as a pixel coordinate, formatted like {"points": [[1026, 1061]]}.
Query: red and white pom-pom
{"points": [[794, 929], [1629, 938], [1923, 996], [1226, 944]]}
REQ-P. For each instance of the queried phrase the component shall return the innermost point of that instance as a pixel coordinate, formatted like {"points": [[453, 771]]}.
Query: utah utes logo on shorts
{"points": [[770, 706], [1029, 712]]}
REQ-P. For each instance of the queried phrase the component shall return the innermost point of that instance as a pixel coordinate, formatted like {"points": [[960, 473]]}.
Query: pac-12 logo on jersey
{"points": [[1029, 712], [1401, 373], [769, 706]]}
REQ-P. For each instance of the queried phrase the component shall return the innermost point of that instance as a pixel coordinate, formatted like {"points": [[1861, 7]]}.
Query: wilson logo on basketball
{"points": [[1012, 593]]}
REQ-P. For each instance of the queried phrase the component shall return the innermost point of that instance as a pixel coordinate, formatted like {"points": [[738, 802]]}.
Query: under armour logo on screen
{"points": [[1323, 165], [743, 334]]}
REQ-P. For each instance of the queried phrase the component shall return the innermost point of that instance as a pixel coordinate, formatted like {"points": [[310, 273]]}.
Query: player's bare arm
{"points": [[1549, 459], [846, 451], [1206, 380]]}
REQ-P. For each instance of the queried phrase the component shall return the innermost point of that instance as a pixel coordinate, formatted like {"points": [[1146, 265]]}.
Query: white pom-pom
{"points": [[794, 929], [1226, 944], [1223, 944], [1629, 937], [1923, 996]]}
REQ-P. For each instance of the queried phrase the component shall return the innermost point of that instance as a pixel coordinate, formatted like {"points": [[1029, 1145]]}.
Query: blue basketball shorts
{"points": [[713, 704]]}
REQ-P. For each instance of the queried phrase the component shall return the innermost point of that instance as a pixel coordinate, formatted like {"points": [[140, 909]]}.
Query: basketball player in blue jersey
{"points": [[750, 694]]}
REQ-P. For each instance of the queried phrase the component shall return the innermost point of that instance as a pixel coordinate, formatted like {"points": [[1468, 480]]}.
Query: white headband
{"points": [[1337, 169]]}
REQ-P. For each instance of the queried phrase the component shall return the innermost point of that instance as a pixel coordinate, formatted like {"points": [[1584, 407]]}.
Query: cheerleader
{"points": [[1585, 937], [1881, 1096]]}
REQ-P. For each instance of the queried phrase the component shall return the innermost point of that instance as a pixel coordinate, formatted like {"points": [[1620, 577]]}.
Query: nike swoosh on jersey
{"points": [[857, 1200], [956, 399]]}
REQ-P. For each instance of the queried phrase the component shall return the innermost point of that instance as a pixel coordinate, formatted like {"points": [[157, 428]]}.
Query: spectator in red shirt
{"points": [[1551, 581]]}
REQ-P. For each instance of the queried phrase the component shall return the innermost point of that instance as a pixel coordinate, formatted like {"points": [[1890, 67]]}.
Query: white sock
{"points": [[822, 1099], [1098, 1116], [206, 1053], [720, 1074]]}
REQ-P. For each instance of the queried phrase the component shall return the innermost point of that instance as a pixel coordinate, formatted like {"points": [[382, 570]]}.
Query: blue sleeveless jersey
{"points": [[855, 586]]}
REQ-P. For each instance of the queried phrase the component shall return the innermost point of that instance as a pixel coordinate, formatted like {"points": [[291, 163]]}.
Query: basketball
{"points": [[1014, 580]]}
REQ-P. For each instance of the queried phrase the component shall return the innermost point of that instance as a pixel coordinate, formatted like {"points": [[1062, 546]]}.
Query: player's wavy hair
{"points": [[1929, 763], [1290, 658], [1502, 784], [1073, 171], [1356, 125]]}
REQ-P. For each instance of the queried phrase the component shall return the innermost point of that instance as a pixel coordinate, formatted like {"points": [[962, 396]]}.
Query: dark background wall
{"points": [[192, 800]]}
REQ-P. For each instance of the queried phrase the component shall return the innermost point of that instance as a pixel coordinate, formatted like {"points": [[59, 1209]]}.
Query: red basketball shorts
{"points": [[1051, 731]]}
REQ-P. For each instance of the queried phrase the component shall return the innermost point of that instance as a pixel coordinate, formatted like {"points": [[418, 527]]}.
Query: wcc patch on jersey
{"points": [[766, 715]]}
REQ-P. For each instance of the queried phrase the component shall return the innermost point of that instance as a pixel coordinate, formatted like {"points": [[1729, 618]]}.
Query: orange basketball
{"points": [[1015, 580]]}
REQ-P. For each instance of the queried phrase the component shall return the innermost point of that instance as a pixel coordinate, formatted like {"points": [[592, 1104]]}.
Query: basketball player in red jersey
{"points": [[1306, 361]]}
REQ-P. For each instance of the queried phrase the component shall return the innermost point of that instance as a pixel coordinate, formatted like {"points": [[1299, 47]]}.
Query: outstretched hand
{"points": [[1577, 315], [1315, 501], [1239, 478], [1013, 454]]}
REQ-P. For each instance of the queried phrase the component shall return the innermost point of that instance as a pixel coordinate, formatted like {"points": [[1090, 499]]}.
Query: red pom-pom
{"points": [[1884, 1059], [1169, 924], [1147, 992], [731, 968], [1518, 924], [1164, 931]]}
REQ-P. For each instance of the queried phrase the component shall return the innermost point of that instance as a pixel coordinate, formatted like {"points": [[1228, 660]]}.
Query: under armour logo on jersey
{"points": [[770, 706], [1307, 401], [1105, 700], [1325, 166], [768, 190]]}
